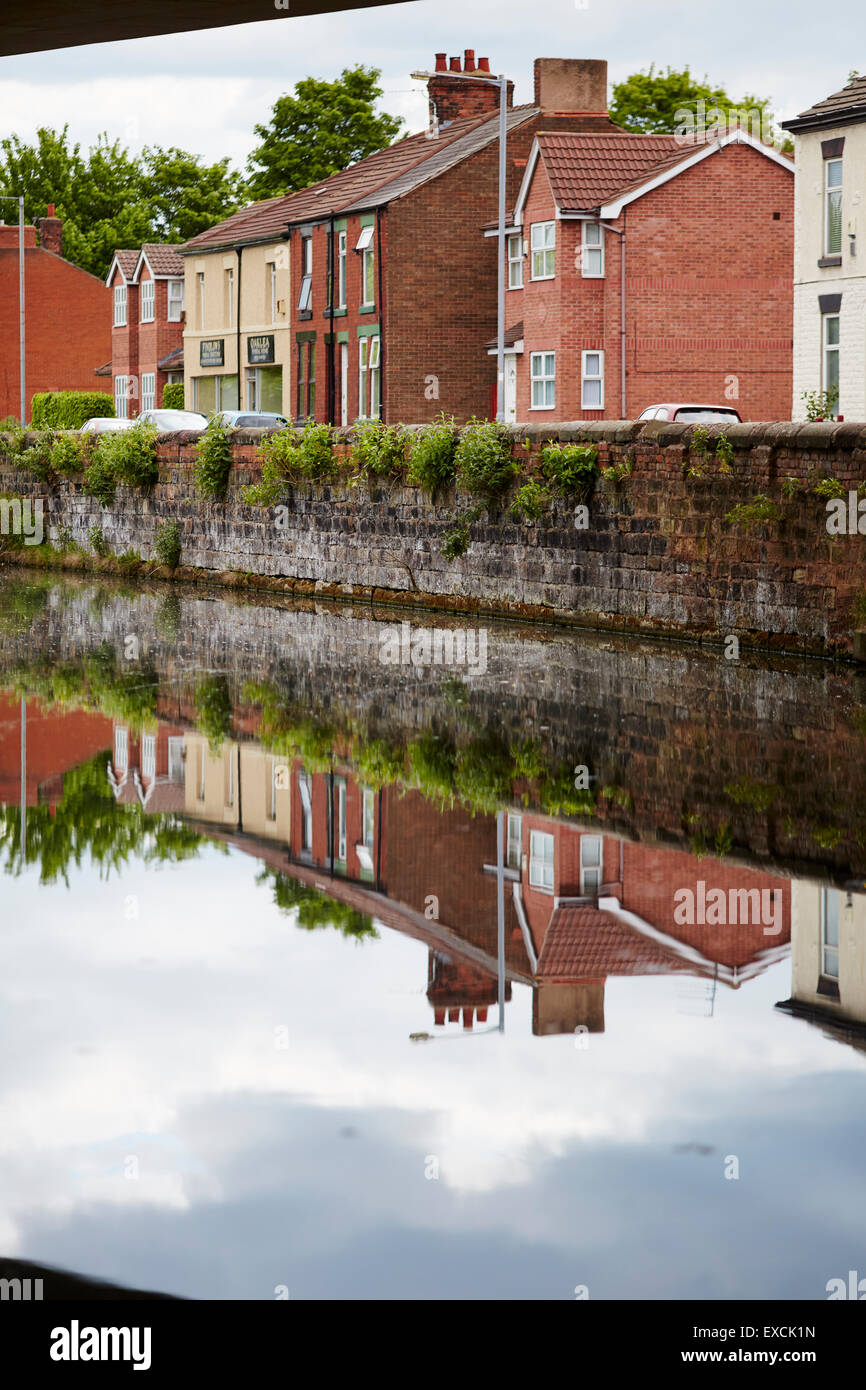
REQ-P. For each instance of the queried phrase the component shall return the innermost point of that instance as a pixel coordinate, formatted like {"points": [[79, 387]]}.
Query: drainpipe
{"points": [[238, 250], [381, 316], [621, 234], [331, 346]]}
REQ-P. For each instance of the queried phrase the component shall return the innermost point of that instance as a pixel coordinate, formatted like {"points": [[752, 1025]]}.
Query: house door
{"points": [[510, 403], [344, 383]]}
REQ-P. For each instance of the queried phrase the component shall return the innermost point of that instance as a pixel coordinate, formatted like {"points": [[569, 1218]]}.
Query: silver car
{"points": [[103, 424], [167, 421], [250, 419]]}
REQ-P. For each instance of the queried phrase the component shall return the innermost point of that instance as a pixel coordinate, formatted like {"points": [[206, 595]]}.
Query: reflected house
{"points": [[828, 961], [238, 786], [57, 741], [148, 767]]}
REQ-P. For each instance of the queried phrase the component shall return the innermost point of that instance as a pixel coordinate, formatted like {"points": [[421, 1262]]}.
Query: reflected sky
{"points": [[283, 1124]]}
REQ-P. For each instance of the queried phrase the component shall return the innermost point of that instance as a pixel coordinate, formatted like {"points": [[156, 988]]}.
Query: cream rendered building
{"points": [[830, 251], [828, 955], [237, 310], [239, 786]]}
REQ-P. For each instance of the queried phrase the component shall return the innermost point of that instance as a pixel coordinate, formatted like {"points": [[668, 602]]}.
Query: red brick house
{"points": [[643, 270], [371, 293], [66, 316], [147, 325]]}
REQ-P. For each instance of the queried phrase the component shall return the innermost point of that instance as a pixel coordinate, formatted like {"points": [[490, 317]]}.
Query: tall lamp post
{"points": [[10, 198], [502, 83]]}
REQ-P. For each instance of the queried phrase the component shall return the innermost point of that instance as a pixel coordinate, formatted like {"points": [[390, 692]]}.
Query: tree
{"points": [[185, 196], [322, 129], [659, 101]]}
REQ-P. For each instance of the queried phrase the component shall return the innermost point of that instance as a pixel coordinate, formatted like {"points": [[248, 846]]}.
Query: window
{"points": [[592, 380], [369, 350], [148, 755], [340, 820], [119, 306], [200, 278], [120, 396], [146, 305], [305, 787], [271, 810], [541, 861], [121, 749], [341, 270], [175, 301], [590, 865], [229, 317], [175, 759], [305, 298], [592, 252], [515, 261], [830, 334], [148, 389], [364, 850], [542, 244], [272, 289], [830, 933], [832, 207], [542, 375], [364, 246], [229, 776], [306, 375], [514, 844], [202, 771]]}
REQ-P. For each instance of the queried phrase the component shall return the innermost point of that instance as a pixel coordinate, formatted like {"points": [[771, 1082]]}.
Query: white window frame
{"points": [[341, 847], [147, 302], [541, 857], [305, 789], [592, 252], [588, 378], [272, 286], [341, 271], [121, 748], [826, 945], [305, 295], [230, 297], [120, 396], [374, 358], [174, 311], [271, 812], [363, 343], [148, 756], [515, 261], [120, 306], [539, 380], [591, 865], [200, 278], [176, 758], [514, 842], [542, 243], [148, 390], [829, 350], [832, 191], [368, 270]]}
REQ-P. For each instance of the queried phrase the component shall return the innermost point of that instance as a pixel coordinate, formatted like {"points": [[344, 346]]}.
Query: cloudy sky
{"points": [[205, 91]]}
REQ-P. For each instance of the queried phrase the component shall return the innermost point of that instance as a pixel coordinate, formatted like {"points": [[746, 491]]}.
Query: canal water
{"points": [[348, 959]]}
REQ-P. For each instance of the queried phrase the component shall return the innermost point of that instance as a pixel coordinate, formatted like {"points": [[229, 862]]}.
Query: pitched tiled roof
{"points": [[512, 336], [172, 362], [584, 943], [586, 170], [849, 102], [370, 183], [127, 260], [162, 258], [104, 370]]}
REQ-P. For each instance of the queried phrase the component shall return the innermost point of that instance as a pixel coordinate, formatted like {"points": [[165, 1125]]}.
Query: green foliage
{"points": [[315, 910], [570, 468], [763, 511], [791, 486], [483, 458], [167, 543], [455, 541], [749, 792], [130, 560], [167, 618], [213, 708], [655, 102], [69, 454], [380, 764], [68, 410], [172, 396], [482, 774], [827, 836], [21, 602], [31, 452], [530, 501], [319, 130], [290, 457], [820, 405], [214, 462], [702, 449], [380, 450], [560, 797], [100, 481], [432, 761], [616, 473], [830, 487], [859, 609], [431, 456], [122, 456], [98, 543]]}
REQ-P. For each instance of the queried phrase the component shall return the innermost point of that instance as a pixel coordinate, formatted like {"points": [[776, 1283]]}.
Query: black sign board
{"points": [[211, 352], [260, 348]]}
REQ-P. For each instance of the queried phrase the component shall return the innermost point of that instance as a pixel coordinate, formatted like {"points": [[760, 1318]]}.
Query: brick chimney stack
{"points": [[569, 85], [51, 232], [451, 98]]}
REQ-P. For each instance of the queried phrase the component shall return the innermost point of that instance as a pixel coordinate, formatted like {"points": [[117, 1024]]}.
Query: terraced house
{"points": [[147, 305], [371, 294]]}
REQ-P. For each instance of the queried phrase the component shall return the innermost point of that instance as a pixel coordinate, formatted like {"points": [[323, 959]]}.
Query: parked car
{"points": [[101, 424], [167, 421], [693, 414], [250, 419]]}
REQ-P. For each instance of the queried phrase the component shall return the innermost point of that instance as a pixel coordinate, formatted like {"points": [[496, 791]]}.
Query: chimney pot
{"points": [[441, 65], [50, 210], [483, 64], [455, 64], [469, 60]]}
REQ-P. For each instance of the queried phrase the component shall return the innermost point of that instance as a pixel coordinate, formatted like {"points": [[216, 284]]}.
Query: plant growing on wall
{"points": [[69, 454], [167, 544], [379, 450], [530, 501], [483, 458], [131, 454], [214, 462], [431, 455], [99, 480], [820, 405], [213, 709], [571, 468], [762, 511]]}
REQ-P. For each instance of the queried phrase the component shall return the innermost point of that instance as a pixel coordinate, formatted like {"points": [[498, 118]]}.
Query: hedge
{"points": [[172, 396], [68, 410]]}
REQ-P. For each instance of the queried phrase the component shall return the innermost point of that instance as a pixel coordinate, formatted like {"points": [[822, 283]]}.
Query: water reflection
{"points": [[302, 896]]}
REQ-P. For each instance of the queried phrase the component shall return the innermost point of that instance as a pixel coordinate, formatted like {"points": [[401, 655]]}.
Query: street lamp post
{"points": [[10, 198], [502, 83]]}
